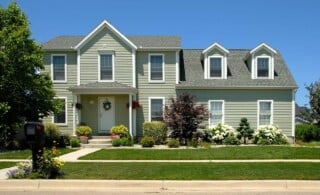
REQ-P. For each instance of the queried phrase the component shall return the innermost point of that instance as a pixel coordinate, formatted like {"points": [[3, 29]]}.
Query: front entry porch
{"points": [[104, 107]]}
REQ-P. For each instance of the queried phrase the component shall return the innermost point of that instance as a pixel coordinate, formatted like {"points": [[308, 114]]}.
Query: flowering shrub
{"points": [[269, 134], [120, 130], [50, 165], [24, 169], [221, 131]]}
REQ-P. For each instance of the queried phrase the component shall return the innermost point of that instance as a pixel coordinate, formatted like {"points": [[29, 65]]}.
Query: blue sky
{"points": [[290, 26]]}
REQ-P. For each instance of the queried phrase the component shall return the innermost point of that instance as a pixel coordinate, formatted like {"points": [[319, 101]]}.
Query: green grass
{"points": [[24, 154], [222, 153], [192, 171], [4, 165], [312, 143]]}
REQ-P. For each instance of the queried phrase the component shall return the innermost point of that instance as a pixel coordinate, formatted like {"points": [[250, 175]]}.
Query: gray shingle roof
{"points": [[69, 42], [104, 86], [192, 72]]}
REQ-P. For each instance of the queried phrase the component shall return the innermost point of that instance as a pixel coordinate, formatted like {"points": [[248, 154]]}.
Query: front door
{"points": [[106, 114]]}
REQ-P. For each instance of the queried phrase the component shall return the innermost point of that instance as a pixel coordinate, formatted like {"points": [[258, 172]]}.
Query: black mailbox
{"points": [[34, 132]]}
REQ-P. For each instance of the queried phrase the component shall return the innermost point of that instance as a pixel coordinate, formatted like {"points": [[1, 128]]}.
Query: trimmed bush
{"points": [[126, 141], [83, 130], [231, 139], [268, 135], [147, 142], [120, 130], [116, 142], [307, 132], [51, 134], [74, 142], [157, 130], [173, 143], [220, 132]]}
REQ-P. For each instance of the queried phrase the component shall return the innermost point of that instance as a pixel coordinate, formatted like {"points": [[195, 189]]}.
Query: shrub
{"points": [[244, 130], [307, 132], [51, 134], [120, 130], [50, 165], [220, 132], [126, 141], [74, 142], [116, 142], [23, 170], [231, 139], [83, 130], [269, 134], [157, 130], [147, 142], [173, 143]]}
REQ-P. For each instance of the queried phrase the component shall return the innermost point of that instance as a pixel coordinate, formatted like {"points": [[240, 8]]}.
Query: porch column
{"points": [[74, 101], [134, 120], [130, 114]]}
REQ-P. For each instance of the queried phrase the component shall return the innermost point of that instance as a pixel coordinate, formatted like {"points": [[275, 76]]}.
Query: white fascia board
{"points": [[103, 24], [217, 45], [263, 45]]}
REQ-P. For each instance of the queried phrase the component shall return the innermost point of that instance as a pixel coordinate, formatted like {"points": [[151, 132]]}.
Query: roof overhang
{"points": [[105, 24], [159, 48], [240, 87], [103, 88], [261, 46]]}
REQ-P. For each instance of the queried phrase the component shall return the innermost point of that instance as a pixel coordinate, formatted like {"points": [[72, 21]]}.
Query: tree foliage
{"points": [[244, 130], [26, 94], [183, 117], [314, 101]]}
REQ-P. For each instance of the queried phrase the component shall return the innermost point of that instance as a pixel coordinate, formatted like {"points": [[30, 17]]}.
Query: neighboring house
{"points": [[101, 77]]}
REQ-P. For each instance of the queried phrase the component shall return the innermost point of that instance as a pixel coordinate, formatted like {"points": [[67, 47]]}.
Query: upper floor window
{"points": [[263, 67], [156, 68], [156, 109], [58, 71], [215, 67], [106, 67], [61, 117], [216, 108], [265, 109]]}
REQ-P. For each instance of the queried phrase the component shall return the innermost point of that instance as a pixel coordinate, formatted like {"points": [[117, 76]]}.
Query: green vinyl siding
{"points": [[148, 89], [62, 88], [244, 103], [106, 41]]}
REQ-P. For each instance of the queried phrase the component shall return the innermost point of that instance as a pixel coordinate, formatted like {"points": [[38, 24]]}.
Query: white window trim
{"points": [[223, 111], [163, 102], [224, 66], [65, 68], [258, 111], [66, 111], [270, 67], [99, 66], [149, 68]]}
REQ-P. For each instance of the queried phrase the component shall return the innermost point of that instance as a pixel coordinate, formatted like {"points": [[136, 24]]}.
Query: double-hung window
{"points": [[156, 109], [59, 67], [263, 67], [61, 117], [106, 67], [265, 109], [215, 68], [216, 108], [156, 68]]}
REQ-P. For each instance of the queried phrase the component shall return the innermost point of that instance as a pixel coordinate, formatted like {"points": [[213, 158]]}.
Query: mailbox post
{"points": [[34, 132]]}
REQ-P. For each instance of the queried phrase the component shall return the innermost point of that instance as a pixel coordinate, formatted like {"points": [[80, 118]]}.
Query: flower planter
{"points": [[84, 139]]}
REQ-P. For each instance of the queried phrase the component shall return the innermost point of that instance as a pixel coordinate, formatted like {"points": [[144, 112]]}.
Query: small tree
{"points": [[245, 130], [183, 117], [314, 101]]}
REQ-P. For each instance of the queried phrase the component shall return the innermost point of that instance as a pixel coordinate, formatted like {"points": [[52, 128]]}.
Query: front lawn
{"points": [[220, 153], [4, 165], [24, 154], [192, 171]]}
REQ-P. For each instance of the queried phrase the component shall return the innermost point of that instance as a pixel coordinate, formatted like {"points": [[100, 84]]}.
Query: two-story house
{"points": [[101, 77]]}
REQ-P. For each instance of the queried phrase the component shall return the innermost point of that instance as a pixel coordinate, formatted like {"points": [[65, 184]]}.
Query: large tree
{"points": [[26, 93], [183, 117], [314, 101]]}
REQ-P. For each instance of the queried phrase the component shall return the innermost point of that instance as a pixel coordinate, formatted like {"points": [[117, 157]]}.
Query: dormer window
{"points": [[215, 62], [263, 67]]}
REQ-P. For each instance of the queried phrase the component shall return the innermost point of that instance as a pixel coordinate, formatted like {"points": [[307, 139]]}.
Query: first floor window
{"points": [[265, 112], [59, 67], [60, 118], [215, 67], [156, 109], [262, 67], [106, 67], [216, 112], [156, 67]]}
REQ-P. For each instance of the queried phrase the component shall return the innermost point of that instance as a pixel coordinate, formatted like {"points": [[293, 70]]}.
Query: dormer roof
{"points": [[217, 46]]}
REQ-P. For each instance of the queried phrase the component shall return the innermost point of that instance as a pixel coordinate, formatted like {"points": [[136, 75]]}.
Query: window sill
{"points": [[59, 82]]}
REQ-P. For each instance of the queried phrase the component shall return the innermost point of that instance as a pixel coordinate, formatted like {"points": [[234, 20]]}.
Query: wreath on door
{"points": [[106, 105]]}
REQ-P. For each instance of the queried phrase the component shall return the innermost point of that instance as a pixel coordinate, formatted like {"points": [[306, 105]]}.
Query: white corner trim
{"points": [[215, 45], [78, 66], [103, 24], [163, 103], [134, 82], [65, 68], [163, 68], [177, 68]]}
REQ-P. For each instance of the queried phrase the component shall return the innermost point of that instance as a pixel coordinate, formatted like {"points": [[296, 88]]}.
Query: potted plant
{"points": [[83, 132], [135, 104]]}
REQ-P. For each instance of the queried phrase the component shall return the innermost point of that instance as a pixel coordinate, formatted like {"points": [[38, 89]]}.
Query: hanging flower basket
{"points": [[135, 104], [78, 106]]}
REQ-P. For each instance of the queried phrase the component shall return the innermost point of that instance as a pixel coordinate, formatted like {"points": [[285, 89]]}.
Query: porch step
{"points": [[98, 142]]}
